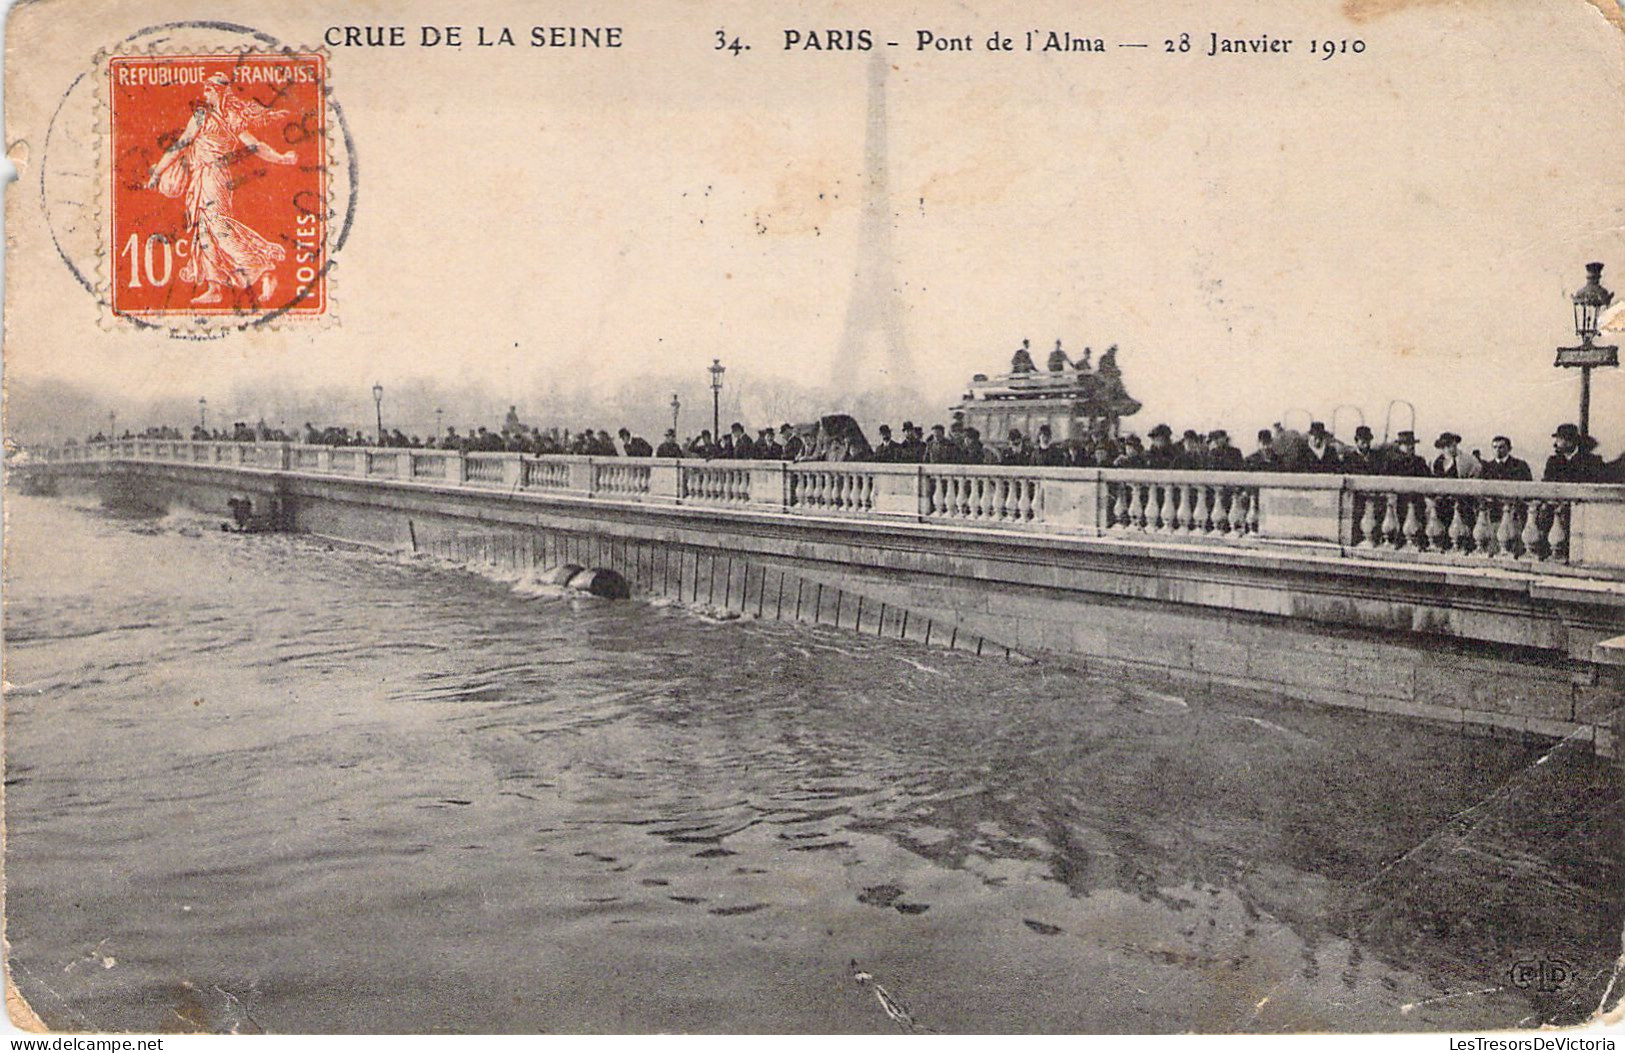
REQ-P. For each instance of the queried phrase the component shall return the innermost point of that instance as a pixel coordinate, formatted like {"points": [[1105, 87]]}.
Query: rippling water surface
{"points": [[262, 783]]}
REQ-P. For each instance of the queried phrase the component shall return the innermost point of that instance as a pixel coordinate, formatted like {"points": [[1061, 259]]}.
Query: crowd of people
{"points": [[838, 438]]}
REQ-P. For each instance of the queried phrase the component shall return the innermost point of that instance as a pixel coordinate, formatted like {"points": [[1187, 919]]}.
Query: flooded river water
{"points": [[262, 783]]}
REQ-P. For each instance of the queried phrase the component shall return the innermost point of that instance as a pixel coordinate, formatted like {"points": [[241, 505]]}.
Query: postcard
{"points": [[815, 518]]}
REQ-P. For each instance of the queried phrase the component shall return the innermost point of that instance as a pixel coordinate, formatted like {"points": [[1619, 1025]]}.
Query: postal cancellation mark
{"points": [[219, 189]]}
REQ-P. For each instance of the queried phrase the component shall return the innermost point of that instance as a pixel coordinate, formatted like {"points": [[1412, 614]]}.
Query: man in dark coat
{"points": [[1401, 458], [1191, 455], [1017, 450], [939, 449], [887, 451], [912, 448], [1570, 462], [635, 445], [1360, 459], [1221, 456], [1132, 454], [670, 447], [1161, 454], [1320, 456], [703, 446], [1265, 458], [1046, 454], [790, 443], [1505, 467], [743, 448], [971, 450]]}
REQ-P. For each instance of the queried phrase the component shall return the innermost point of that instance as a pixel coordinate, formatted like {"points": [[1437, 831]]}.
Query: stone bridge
{"points": [[1497, 607]]}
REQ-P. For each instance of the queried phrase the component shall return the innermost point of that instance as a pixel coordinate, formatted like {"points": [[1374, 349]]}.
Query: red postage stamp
{"points": [[219, 190]]}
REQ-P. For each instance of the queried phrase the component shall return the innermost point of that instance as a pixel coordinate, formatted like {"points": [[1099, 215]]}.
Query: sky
{"points": [[1263, 237]]}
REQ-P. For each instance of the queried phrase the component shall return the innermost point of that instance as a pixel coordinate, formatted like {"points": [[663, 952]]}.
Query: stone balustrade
{"points": [[1556, 528]]}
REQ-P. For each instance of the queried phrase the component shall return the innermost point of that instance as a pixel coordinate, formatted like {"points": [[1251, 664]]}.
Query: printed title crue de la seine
{"points": [[826, 40]]}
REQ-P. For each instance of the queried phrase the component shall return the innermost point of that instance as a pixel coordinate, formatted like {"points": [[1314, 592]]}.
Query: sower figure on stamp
{"points": [[225, 251]]}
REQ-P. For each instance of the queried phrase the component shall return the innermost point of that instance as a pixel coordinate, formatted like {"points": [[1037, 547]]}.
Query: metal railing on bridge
{"points": [[1556, 528]]}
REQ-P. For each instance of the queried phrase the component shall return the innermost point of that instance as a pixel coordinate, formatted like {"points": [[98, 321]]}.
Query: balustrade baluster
{"points": [[1223, 498], [1117, 507], [1141, 513], [1252, 512], [1204, 511], [1368, 520], [1483, 537], [1557, 538], [1413, 526], [1435, 525], [1390, 521], [1459, 533], [1531, 531], [1165, 510]]}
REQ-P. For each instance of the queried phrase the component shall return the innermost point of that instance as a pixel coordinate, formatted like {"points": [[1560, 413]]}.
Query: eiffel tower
{"points": [[872, 351]]}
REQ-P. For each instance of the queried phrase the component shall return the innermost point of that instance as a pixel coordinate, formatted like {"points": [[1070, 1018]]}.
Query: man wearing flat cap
{"points": [[1570, 461]]}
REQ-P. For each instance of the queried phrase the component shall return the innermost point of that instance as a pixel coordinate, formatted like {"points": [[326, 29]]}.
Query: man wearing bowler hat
{"points": [[1360, 459], [1570, 462], [1320, 456], [1401, 458]]}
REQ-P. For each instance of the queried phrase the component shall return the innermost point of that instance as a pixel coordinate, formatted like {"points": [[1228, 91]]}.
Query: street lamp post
{"points": [[675, 408], [112, 423], [438, 430], [203, 414], [716, 371], [378, 406], [1589, 303]]}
